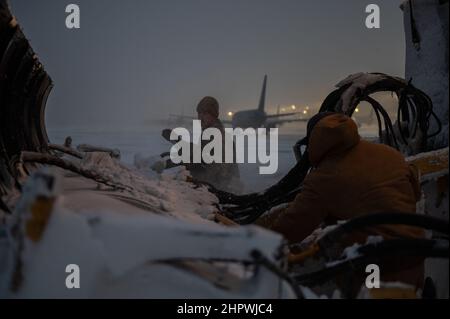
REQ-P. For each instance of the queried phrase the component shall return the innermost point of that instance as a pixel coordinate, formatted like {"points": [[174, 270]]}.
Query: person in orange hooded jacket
{"points": [[351, 177]]}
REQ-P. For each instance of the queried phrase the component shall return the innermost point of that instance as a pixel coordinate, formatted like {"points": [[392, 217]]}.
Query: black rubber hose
{"points": [[371, 253], [262, 260], [257, 203], [380, 125], [364, 221], [390, 136], [252, 216]]}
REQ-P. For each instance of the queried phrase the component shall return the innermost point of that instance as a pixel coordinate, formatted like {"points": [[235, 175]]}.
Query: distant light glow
{"points": [[356, 110], [293, 107], [305, 112], [230, 113], [307, 108]]}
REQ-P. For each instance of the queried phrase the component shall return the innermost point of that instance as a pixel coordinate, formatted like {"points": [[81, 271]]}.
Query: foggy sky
{"points": [[138, 60]]}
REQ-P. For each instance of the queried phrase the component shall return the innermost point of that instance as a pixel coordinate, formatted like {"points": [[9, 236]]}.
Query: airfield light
{"points": [[230, 113], [293, 107], [305, 112]]}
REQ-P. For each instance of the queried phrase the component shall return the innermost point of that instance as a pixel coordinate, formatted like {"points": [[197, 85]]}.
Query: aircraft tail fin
{"points": [[262, 99]]}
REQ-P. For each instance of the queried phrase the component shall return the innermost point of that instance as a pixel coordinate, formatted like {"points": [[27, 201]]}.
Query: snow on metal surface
{"points": [[123, 255]]}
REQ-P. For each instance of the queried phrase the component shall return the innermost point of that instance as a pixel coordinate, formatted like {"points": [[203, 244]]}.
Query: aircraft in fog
{"points": [[255, 118]]}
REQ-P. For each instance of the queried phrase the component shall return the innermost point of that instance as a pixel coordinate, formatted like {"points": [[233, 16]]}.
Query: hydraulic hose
{"points": [[371, 253], [365, 221]]}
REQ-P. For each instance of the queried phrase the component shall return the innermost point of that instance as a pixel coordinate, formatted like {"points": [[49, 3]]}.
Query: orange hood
{"points": [[332, 135]]}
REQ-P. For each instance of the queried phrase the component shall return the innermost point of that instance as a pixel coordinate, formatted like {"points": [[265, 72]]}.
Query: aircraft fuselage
{"points": [[249, 119]]}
